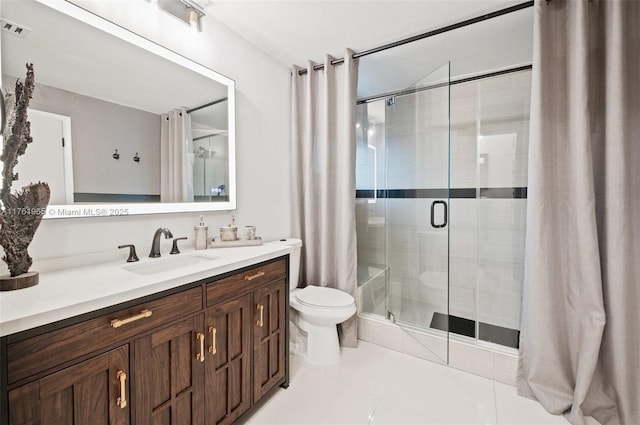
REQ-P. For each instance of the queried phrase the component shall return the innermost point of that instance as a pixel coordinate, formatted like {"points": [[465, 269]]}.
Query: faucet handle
{"points": [[132, 252], [174, 247]]}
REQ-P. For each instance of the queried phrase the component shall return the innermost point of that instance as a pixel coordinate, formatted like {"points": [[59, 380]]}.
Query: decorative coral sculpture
{"points": [[22, 211]]}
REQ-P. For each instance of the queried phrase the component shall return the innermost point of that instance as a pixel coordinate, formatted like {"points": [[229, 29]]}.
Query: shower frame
{"points": [[471, 327]]}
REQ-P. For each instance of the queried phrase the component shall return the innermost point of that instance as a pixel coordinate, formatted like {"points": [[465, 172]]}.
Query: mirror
{"points": [[121, 125]]}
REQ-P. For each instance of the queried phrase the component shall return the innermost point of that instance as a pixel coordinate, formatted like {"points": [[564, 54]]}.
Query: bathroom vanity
{"points": [[201, 342], [194, 338]]}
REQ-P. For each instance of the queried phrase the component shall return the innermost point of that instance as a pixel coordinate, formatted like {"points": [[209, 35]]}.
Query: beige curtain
{"points": [[324, 158], [580, 339], [176, 157]]}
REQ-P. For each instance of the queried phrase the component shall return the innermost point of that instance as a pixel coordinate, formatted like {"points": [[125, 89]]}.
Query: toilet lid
{"points": [[324, 297]]}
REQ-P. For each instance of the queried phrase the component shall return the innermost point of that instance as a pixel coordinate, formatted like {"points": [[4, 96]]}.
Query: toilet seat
{"points": [[316, 296]]}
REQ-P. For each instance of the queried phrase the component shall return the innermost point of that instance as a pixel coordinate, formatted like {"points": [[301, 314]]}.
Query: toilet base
{"points": [[323, 347], [316, 332]]}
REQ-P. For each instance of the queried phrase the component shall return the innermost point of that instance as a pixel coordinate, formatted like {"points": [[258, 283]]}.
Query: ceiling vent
{"points": [[15, 29]]}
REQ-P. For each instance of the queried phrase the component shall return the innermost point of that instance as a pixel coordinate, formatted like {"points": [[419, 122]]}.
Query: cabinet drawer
{"points": [[246, 281], [42, 352]]}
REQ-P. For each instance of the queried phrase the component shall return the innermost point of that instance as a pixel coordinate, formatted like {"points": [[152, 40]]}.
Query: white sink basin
{"points": [[154, 266]]}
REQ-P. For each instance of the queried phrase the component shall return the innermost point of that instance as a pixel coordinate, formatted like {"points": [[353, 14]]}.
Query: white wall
{"points": [[263, 117]]}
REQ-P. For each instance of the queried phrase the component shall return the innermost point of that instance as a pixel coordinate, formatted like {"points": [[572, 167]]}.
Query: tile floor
{"points": [[375, 385]]}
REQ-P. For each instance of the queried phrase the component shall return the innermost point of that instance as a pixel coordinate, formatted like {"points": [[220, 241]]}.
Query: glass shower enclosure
{"points": [[441, 178], [402, 208]]}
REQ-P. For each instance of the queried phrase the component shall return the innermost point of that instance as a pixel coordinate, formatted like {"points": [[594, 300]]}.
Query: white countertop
{"points": [[66, 293]]}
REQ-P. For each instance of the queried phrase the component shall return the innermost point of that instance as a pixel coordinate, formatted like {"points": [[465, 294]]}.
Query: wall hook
{"points": [[116, 155], [136, 158]]}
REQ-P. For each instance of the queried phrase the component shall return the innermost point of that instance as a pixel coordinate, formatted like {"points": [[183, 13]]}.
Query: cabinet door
{"points": [[169, 375], [269, 338], [94, 392], [228, 365]]}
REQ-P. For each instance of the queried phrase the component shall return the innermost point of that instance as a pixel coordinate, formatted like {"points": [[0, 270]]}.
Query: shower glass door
{"points": [[417, 134]]}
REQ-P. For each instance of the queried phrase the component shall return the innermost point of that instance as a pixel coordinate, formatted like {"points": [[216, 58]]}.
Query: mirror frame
{"points": [[125, 209]]}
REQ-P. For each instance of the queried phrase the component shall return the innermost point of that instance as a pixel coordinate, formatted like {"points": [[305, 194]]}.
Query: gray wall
{"points": [[98, 128]]}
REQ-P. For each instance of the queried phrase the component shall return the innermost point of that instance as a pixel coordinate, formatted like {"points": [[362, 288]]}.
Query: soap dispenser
{"points": [[229, 233], [201, 232]]}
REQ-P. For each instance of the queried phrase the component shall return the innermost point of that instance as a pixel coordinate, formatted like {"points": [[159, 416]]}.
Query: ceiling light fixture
{"points": [[187, 11], [194, 20]]}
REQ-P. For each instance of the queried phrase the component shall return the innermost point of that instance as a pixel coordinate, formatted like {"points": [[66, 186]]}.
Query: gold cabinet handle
{"points": [[116, 323], [200, 355], [260, 321], [260, 273], [122, 400], [212, 349]]}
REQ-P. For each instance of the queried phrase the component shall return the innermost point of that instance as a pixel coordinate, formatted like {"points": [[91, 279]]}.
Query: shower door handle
{"points": [[433, 215]]}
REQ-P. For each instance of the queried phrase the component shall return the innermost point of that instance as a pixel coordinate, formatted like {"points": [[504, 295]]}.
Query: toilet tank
{"points": [[294, 260]]}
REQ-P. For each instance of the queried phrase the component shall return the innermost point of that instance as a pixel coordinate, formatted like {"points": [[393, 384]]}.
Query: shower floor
{"points": [[487, 332], [420, 315]]}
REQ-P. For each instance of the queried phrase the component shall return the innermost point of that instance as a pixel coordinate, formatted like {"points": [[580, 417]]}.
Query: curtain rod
{"points": [[428, 34], [195, 108], [205, 136]]}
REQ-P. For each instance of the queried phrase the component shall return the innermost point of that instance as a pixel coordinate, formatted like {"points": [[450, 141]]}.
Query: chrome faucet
{"points": [[155, 245]]}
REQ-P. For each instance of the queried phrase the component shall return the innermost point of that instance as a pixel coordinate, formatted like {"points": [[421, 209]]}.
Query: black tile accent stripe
{"points": [[201, 198], [114, 197], [503, 192], [462, 193], [365, 194], [126, 198], [455, 324], [439, 193], [499, 335], [416, 193], [490, 333]]}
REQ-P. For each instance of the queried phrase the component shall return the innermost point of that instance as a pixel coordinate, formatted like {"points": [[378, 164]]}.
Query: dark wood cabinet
{"points": [[228, 368], [269, 337], [250, 340], [203, 354], [92, 392], [169, 375], [33, 355]]}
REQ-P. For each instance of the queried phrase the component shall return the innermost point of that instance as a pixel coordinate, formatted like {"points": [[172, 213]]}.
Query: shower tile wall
{"points": [[488, 146], [463, 219], [370, 174], [503, 111]]}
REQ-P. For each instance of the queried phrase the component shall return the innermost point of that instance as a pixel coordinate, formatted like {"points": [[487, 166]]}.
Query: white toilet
{"points": [[316, 311]]}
